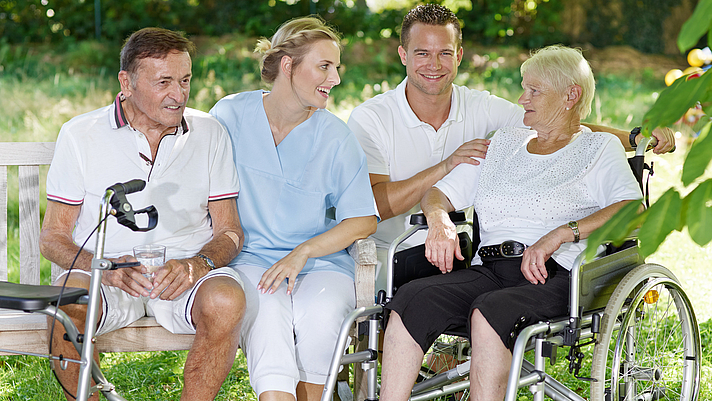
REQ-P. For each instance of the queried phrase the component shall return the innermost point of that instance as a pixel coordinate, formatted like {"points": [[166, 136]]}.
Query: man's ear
{"points": [[403, 54], [125, 82]]}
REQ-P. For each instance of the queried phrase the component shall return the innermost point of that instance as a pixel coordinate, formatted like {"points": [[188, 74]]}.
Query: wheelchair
{"points": [[635, 315], [47, 299]]}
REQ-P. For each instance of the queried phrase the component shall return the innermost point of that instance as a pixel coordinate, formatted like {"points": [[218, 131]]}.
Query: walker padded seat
{"points": [[36, 297]]}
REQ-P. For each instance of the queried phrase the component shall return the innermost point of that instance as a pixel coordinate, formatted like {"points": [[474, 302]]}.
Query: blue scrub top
{"points": [[315, 178]]}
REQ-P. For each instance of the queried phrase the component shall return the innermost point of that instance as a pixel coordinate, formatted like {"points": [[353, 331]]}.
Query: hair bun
{"points": [[263, 46]]}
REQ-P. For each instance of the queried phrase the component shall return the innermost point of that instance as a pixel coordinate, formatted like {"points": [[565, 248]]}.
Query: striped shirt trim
{"points": [[72, 202], [223, 196], [121, 121]]}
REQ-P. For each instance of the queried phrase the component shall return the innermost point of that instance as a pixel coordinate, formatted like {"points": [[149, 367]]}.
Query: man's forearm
{"points": [[394, 198], [223, 248], [621, 134], [62, 252]]}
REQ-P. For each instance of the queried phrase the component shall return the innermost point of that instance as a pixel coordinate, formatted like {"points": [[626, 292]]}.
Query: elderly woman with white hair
{"points": [[537, 195]]}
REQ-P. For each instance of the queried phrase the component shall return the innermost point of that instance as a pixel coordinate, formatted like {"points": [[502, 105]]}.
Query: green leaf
{"points": [[662, 218], [616, 229], [693, 29], [675, 100], [699, 214], [699, 156]]}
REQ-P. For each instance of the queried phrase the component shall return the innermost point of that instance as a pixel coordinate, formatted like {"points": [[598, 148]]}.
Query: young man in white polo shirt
{"points": [[186, 159], [418, 132]]}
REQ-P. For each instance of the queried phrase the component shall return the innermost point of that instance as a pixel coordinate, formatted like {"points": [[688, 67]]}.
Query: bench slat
{"points": [[26, 332], [29, 179], [3, 223]]}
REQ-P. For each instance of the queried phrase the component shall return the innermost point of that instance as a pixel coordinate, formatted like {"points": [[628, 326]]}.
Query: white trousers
{"points": [[291, 338], [121, 309]]}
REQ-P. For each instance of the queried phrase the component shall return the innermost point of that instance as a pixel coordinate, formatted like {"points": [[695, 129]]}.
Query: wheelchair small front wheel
{"points": [[649, 344]]}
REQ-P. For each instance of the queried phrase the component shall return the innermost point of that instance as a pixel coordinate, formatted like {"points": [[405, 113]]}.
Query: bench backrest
{"points": [[28, 156]]}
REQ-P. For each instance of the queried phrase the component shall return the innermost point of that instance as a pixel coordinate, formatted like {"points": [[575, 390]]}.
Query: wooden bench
{"points": [[27, 332]]}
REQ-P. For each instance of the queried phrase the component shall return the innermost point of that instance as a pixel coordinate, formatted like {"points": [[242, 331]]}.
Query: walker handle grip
{"points": [[129, 187]]}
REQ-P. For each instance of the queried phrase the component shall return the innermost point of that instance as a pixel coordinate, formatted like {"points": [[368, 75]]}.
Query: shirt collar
{"points": [[408, 115], [118, 116]]}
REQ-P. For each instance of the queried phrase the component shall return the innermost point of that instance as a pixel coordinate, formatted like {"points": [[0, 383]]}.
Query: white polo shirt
{"points": [[399, 145], [193, 166]]}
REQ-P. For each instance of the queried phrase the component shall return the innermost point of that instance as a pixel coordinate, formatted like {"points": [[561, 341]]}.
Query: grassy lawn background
{"points": [[40, 90]]}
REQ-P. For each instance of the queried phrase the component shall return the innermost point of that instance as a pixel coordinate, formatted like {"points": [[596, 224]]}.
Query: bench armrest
{"points": [[363, 252]]}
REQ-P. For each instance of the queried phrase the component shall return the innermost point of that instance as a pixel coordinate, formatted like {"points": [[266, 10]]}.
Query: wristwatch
{"points": [[207, 260], [631, 137], [573, 225]]}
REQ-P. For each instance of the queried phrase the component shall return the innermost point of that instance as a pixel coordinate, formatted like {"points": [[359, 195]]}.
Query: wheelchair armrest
{"points": [[363, 252], [458, 216]]}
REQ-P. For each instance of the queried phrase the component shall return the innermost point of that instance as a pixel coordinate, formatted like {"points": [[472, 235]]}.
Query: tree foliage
{"points": [[523, 22], [673, 211]]}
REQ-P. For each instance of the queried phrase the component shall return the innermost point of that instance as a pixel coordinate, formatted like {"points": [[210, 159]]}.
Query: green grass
{"points": [[40, 89]]}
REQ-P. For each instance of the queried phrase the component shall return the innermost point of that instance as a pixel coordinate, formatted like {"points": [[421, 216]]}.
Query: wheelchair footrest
{"points": [[36, 297]]}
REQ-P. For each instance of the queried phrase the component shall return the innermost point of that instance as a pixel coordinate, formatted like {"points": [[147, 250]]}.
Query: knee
{"points": [[222, 302], [74, 311]]}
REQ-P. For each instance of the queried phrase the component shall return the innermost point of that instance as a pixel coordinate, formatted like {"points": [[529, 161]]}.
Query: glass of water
{"points": [[151, 256]]}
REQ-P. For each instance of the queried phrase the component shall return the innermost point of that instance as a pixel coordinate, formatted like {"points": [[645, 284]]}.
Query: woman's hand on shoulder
{"points": [[286, 268], [534, 257]]}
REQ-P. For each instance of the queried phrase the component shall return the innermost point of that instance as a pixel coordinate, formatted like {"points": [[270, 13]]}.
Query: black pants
{"points": [[432, 305]]}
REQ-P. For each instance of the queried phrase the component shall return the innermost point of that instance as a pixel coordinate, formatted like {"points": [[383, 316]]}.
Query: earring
{"points": [[568, 108]]}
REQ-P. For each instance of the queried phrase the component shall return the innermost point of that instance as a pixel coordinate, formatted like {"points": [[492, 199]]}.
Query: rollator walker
{"points": [[635, 315], [47, 299]]}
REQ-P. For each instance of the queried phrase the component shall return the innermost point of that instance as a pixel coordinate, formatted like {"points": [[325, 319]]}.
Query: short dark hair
{"points": [[152, 43], [429, 14]]}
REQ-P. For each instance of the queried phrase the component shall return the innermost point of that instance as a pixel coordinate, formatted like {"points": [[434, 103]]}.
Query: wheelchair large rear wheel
{"points": [[649, 344]]}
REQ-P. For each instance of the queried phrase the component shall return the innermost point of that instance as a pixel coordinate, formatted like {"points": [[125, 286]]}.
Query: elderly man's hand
{"points": [[177, 276], [129, 279]]}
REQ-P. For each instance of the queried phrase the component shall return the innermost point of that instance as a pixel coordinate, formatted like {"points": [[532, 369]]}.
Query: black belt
{"points": [[507, 249]]}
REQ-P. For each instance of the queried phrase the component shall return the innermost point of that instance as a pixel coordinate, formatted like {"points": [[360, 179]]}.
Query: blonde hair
{"points": [[561, 67], [294, 39]]}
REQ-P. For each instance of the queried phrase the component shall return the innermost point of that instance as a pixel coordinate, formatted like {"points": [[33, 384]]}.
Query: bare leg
{"points": [[402, 358], [70, 377], [490, 362], [217, 313], [276, 396], [309, 391]]}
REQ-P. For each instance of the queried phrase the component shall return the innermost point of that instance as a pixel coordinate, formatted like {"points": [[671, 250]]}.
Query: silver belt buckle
{"points": [[501, 248]]}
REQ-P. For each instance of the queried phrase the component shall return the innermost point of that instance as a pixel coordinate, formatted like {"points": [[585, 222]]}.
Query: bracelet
{"points": [[573, 225], [631, 137], [207, 260]]}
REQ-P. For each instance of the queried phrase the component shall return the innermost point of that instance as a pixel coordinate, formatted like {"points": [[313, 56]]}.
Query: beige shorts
{"points": [[119, 309]]}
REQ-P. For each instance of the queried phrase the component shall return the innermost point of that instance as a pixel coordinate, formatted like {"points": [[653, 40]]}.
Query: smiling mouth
{"points": [[432, 76], [325, 91], [174, 108]]}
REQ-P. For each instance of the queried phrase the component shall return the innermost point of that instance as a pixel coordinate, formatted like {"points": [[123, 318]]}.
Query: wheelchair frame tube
{"points": [[336, 359], [391, 254]]}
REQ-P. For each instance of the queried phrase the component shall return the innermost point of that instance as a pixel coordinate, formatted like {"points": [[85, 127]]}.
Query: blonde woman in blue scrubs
{"points": [[304, 197]]}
